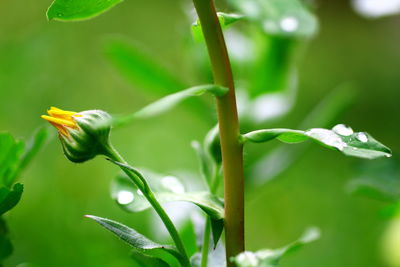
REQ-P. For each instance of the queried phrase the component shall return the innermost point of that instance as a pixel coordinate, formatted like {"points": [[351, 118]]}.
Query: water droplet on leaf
{"points": [[362, 137], [289, 24], [327, 137], [125, 197], [343, 129]]}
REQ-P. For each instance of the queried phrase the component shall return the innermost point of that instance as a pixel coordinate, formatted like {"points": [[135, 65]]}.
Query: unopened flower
{"points": [[83, 135]]}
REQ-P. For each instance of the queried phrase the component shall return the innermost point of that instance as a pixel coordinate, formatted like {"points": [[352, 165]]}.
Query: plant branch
{"points": [[141, 183], [232, 151]]}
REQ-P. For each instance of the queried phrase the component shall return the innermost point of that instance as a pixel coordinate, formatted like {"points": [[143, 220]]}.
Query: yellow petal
{"points": [[59, 113], [59, 121]]}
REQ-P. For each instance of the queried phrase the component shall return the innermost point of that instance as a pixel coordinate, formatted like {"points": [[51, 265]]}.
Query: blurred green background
{"points": [[58, 64]]}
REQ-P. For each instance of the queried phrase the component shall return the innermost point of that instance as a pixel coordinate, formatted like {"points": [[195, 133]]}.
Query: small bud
{"points": [[83, 135]]}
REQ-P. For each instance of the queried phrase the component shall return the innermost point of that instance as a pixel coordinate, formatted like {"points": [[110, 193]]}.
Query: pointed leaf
{"points": [[170, 101], [326, 112], [271, 258], [225, 20], [75, 10], [34, 145], [341, 138], [217, 226], [137, 241], [10, 198]]}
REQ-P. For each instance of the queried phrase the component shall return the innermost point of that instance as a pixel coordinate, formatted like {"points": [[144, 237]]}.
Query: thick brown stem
{"points": [[232, 151]]}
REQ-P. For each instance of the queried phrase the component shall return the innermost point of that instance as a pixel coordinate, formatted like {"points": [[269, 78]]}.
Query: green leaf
{"points": [[379, 180], [139, 67], [225, 20], [217, 226], [275, 67], [34, 145], [10, 198], [341, 138], [75, 10], [139, 242], [166, 189], [6, 247], [170, 101], [212, 144], [147, 260], [206, 166], [286, 18], [187, 233], [10, 154], [271, 258], [323, 115]]}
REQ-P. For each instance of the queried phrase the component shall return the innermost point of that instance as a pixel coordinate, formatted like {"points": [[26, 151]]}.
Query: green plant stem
{"points": [[139, 181], [232, 150], [206, 243]]}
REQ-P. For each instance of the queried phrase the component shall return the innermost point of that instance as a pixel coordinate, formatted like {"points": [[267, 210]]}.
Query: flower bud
{"points": [[83, 135]]}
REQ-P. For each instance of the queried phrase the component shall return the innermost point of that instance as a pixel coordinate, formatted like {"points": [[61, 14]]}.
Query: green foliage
{"points": [[281, 25], [139, 242], [188, 234], [225, 20], [139, 67], [14, 157], [212, 145], [341, 138], [275, 38], [217, 226], [170, 101], [11, 151], [75, 10], [205, 162], [210, 159], [286, 18], [10, 198], [6, 247], [324, 114], [272, 258], [33, 146], [166, 189]]}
